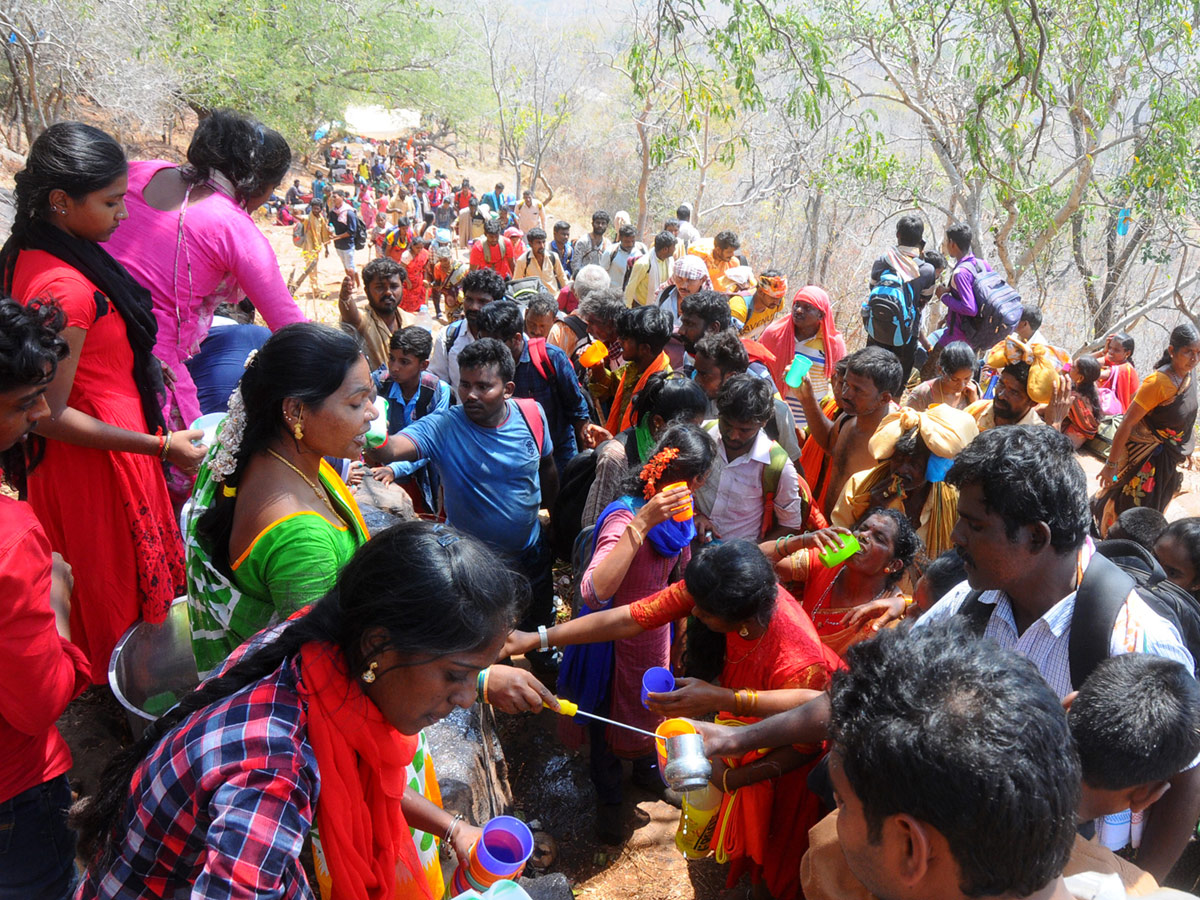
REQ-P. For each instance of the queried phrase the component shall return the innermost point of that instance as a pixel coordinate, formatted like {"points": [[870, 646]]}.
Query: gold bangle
{"points": [[166, 447], [638, 537], [725, 781], [737, 703]]}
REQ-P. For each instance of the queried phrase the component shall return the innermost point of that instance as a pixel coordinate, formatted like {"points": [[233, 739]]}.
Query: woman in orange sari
{"points": [[852, 600], [751, 652]]}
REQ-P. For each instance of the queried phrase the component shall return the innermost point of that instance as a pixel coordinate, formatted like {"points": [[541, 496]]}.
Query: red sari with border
{"points": [[762, 829]]}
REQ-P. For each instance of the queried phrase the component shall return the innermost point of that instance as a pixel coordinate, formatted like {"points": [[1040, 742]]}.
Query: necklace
{"points": [[316, 490], [750, 652], [829, 590]]}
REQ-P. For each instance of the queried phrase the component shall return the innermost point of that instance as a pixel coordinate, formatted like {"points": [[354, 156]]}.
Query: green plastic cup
{"points": [[797, 370], [850, 546]]}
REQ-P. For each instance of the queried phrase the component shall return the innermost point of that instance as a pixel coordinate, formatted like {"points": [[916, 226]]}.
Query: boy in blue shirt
{"points": [[411, 393], [495, 458]]}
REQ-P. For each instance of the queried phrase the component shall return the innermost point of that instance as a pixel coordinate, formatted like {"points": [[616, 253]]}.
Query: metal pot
{"points": [[687, 766]]}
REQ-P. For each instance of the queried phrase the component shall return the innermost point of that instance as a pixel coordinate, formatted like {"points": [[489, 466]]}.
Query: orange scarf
{"points": [[361, 760], [621, 413]]}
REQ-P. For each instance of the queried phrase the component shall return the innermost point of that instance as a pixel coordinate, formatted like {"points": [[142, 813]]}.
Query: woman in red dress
{"points": [[94, 475], [414, 261], [752, 652]]}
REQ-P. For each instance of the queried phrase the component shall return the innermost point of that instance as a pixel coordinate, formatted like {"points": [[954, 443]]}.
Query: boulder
{"points": [[547, 887], [470, 765]]}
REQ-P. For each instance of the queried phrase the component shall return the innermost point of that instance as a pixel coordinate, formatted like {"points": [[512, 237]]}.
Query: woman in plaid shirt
{"points": [[317, 725]]}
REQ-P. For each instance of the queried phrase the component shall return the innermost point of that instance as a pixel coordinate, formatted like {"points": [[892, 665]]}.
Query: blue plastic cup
{"points": [[657, 680]]}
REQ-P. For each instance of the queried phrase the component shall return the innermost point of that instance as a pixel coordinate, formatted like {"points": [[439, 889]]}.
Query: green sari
{"points": [[290, 563]]}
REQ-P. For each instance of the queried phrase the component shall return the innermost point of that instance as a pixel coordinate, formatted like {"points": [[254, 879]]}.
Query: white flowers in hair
{"points": [[229, 441]]}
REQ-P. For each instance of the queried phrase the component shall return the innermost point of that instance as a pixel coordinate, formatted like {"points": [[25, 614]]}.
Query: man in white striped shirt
{"points": [[1023, 534]]}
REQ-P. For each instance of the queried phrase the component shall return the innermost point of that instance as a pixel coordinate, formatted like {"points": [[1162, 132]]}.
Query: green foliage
{"points": [[299, 63]]}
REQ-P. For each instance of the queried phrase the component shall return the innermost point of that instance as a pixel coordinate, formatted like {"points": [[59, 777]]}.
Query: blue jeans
{"points": [[37, 849]]}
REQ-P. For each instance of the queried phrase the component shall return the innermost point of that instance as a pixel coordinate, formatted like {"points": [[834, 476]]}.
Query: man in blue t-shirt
{"points": [[543, 373], [495, 458]]}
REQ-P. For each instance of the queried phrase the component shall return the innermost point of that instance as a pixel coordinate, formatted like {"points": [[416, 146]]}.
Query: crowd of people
{"points": [[926, 658]]}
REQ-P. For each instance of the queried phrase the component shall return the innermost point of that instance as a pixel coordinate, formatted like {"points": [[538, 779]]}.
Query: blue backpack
{"points": [[889, 313]]}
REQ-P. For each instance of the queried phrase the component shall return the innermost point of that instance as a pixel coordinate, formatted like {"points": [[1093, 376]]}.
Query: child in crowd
{"points": [[1177, 549], [411, 393], [943, 573], [1136, 725], [1140, 524]]}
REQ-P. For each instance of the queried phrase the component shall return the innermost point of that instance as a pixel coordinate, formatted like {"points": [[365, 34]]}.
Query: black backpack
{"points": [[360, 233], [573, 486], [1117, 568], [889, 313], [575, 482]]}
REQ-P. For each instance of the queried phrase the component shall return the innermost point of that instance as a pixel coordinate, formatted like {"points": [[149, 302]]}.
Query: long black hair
{"points": [[734, 582], [1088, 368], [68, 156], [696, 450], [30, 350], [670, 397], [306, 361], [1181, 336], [251, 155], [385, 588]]}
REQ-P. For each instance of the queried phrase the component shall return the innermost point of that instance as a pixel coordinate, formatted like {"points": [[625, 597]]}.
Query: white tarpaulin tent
{"points": [[381, 124]]}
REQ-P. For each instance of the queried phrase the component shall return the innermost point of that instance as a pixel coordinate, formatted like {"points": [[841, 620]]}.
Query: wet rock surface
{"points": [[470, 764]]}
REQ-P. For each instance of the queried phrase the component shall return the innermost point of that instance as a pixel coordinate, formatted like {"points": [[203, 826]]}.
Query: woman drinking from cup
{"points": [[852, 598], [639, 540]]}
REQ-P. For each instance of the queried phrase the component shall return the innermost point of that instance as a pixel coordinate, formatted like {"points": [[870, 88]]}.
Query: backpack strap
{"points": [[577, 325], [1102, 592], [452, 332], [533, 420], [540, 358], [771, 474], [425, 394]]}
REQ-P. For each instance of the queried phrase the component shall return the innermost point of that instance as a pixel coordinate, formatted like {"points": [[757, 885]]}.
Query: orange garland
{"points": [[654, 468]]}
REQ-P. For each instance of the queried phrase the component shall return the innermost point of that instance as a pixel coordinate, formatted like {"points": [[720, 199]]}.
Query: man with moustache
{"points": [[380, 316], [479, 288], [1023, 523], [494, 456], [736, 499]]}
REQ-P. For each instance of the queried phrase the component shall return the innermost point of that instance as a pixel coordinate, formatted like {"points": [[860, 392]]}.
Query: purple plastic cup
{"points": [[506, 845], [657, 680]]}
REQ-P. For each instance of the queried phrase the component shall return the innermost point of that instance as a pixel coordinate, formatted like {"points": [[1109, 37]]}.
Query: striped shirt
{"points": [[1045, 643]]}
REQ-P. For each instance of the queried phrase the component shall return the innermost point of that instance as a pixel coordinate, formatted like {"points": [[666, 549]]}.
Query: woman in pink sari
{"points": [[190, 240]]}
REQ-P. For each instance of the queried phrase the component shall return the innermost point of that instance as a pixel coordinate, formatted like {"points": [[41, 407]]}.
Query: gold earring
{"points": [[297, 431], [369, 675], [744, 631]]}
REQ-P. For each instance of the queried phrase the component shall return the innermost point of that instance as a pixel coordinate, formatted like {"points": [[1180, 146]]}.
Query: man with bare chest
{"points": [[873, 378]]}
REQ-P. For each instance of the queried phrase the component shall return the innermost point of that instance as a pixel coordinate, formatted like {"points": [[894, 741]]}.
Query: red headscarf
{"points": [[780, 337], [362, 762]]}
